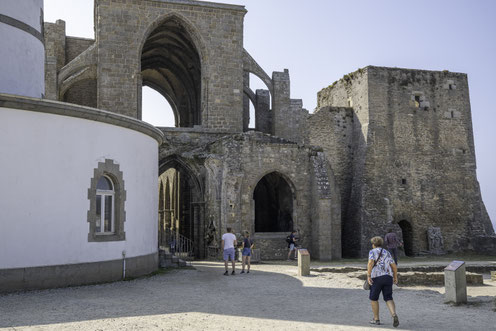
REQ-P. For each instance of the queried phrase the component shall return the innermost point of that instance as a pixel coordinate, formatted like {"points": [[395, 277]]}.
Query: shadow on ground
{"points": [[267, 293]]}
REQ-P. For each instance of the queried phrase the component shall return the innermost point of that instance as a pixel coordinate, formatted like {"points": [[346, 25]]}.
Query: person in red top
{"points": [[392, 243]]}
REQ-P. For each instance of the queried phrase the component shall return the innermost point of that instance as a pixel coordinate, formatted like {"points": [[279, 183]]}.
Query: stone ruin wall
{"points": [[343, 130], [60, 50], [332, 128], [216, 29], [382, 150], [419, 158], [233, 168], [84, 92]]}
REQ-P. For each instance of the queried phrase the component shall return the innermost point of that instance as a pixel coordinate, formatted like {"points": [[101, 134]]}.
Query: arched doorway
{"points": [[183, 210], [273, 198], [170, 64], [407, 233]]}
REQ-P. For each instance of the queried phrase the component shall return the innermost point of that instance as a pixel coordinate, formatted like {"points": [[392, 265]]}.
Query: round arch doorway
{"points": [[273, 199]]}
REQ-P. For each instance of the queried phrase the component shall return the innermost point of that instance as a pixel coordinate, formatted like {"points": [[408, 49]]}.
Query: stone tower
{"points": [[401, 145]]}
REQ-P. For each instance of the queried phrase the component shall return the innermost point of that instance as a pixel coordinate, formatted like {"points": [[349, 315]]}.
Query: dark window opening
{"points": [[273, 204], [403, 181], [407, 233], [452, 114], [417, 101]]}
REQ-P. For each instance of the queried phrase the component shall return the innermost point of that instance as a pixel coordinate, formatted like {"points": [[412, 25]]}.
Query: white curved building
{"points": [[78, 195], [22, 64]]}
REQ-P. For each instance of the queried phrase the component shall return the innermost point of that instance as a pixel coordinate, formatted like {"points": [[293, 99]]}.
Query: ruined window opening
{"points": [[350, 102], [417, 101], [156, 110], [256, 104], [450, 87], [273, 204], [452, 114], [171, 65], [403, 181]]}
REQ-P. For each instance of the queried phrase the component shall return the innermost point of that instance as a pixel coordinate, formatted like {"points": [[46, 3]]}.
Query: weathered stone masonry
{"points": [[386, 147], [412, 153]]}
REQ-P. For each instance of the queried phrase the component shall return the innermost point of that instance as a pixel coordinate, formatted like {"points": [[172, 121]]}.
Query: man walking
{"points": [[228, 244], [392, 242]]}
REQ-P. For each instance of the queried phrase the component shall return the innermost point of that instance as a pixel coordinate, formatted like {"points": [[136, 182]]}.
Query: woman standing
{"points": [[247, 247], [381, 274]]}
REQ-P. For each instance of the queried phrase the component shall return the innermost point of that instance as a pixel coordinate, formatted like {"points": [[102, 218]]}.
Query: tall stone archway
{"points": [[183, 212], [171, 65], [273, 198]]}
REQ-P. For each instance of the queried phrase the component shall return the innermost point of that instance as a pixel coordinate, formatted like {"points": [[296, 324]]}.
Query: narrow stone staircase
{"points": [[168, 260]]}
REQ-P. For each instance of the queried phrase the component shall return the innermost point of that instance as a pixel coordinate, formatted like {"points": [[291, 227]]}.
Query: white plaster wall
{"points": [[22, 56], [46, 164]]}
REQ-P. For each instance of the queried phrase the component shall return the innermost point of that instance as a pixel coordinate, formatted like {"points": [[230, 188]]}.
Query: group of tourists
{"points": [[228, 244], [382, 273]]}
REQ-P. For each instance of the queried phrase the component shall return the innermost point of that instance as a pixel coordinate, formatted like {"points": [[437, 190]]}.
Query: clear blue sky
{"points": [[321, 40]]}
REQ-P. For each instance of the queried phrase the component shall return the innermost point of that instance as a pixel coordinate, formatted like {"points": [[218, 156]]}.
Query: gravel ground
{"points": [[271, 297]]}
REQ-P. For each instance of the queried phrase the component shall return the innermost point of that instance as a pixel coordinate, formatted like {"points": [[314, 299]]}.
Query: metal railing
{"points": [[177, 244]]}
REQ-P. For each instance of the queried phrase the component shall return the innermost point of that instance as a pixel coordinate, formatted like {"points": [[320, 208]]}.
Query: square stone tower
{"points": [[403, 152]]}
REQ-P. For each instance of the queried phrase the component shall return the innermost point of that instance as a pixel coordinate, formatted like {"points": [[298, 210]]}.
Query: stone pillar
{"points": [[54, 34], [263, 115], [246, 102], [280, 102], [455, 283], [303, 262]]}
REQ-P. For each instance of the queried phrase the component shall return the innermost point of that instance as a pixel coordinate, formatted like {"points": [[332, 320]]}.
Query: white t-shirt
{"points": [[228, 240]]}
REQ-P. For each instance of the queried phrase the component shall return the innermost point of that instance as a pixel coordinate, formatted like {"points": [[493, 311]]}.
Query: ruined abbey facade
{"points": [[385, 147]]}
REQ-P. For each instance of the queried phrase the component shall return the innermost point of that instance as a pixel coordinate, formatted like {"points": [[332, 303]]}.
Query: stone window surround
{"points": [[111, 170], [418, 100]]}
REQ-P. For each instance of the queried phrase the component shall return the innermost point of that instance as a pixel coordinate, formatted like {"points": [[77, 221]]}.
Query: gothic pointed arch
{"points": [[184, 204], [172, 57]]}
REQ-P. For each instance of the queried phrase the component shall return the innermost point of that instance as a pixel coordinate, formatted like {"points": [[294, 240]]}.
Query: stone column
{"points": [[280, 102], [263, 115], [246, 102]]}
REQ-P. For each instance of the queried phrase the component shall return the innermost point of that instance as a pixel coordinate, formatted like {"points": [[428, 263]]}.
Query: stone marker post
{"points": [[493, 276], [455, 283], [303, 262]]}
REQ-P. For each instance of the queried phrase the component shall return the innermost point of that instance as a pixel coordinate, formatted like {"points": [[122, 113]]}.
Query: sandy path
{"points": [[270, 297]]}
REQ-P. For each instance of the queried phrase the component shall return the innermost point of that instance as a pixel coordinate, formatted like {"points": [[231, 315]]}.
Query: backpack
{"points": [[288, 239]]}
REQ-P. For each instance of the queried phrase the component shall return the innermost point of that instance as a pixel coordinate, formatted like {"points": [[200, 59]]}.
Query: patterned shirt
{"points": [[383, 266]]}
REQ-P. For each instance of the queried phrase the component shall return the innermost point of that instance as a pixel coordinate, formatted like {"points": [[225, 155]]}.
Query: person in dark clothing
{"points": [[246, 252], [392, 243], [292, 244]]}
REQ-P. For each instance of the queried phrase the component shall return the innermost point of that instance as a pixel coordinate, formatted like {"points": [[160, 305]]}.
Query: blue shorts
{"points": [[382, 284], [291, 247], [229, 253], [247, 251]]}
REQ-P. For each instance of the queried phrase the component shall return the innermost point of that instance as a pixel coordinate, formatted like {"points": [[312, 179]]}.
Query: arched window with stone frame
{"points": [[106, 194], [104, 221]]}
